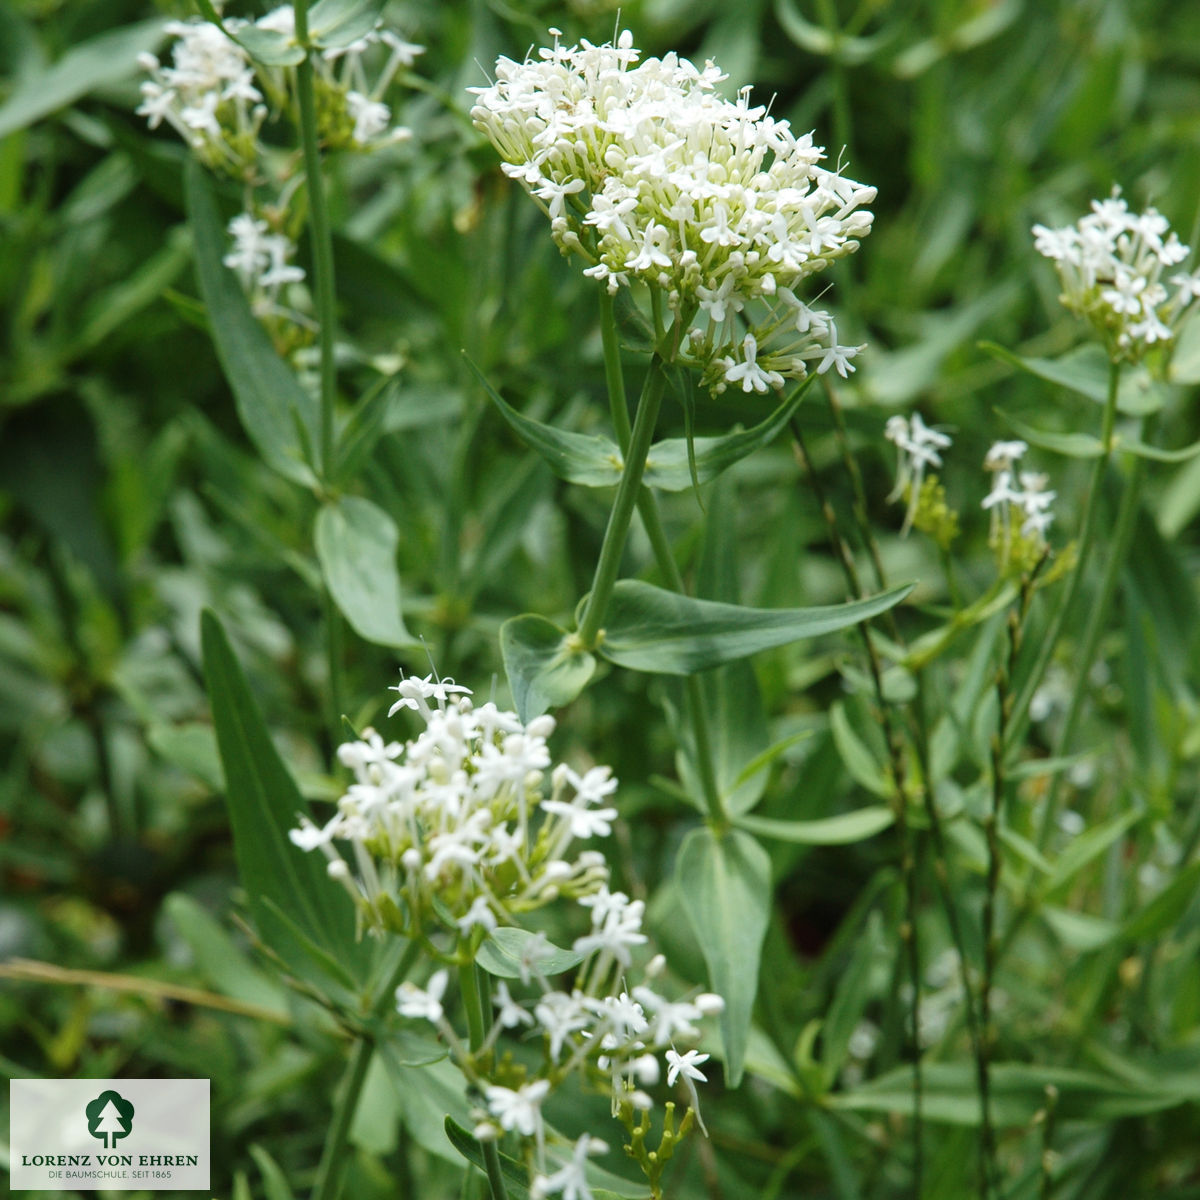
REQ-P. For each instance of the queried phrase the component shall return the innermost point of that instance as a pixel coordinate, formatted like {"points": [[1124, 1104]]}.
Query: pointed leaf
{"points": [[595, 461], [272, 405], [104, 59], [1072, 445], [333, 24], [545, 669], [1018, 1092], [264, 803], [505, 953], [667, 465], [1085, 370], [650, 629], [725, 881], [586, 459], [356, 543], [841, 830]]}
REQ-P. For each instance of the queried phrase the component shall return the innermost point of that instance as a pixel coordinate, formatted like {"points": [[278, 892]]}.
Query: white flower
{"points": [[511, 1013], [1110, 264], [412, 1001], [917, 447], [619, 930], [571, 1180], [519, 1110], [686, 1067], [748, 373]]}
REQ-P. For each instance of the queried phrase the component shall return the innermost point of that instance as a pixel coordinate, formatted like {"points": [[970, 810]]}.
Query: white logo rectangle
{"points": [[118, 1134]]}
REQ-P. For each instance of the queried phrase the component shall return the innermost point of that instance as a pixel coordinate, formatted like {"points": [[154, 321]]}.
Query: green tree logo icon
{"points": [[109, 1117]]}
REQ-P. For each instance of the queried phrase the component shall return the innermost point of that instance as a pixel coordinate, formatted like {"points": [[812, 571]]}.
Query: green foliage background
{"points": [[131, 500]]}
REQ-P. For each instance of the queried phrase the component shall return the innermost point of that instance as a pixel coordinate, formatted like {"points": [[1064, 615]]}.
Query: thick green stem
{"points": [[647, 506], [320, 237], [474, 988], [609, 565], [1097, 616], [329, 1171], [324, 297], [1087, 538]]}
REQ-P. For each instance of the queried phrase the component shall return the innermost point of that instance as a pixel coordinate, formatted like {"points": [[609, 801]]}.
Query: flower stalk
{"points": [[1019, 720]]}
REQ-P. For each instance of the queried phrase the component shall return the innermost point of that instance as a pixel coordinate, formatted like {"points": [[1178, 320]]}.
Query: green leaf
{"points": [[364, 428], [1156, 453], [1018, 1092], [851, 997], [586, 459], [1085, 370], [333, 24], [1082, 932], [660, 632], [856, 754], [1072, 445], [505, 953], [1166, 909], [219, 960], [356, 543], [427, 1095], [516, 1177], [102, 60], [264, 804], [591, 460], [275, 1184], [725, 882], [1088, 845], [817, 39], [841, 830], [545, 669], [272, 405]]}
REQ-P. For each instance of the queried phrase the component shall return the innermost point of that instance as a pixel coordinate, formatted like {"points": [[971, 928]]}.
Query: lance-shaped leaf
{"points": [[356, 543], [650, 629], [288, 892], [725, 881], [592, 460], [545, 668], [95, 63], [1085, 370], [842, 830], [277, 413], [333, 24], [512, 953], [1071, 445]]}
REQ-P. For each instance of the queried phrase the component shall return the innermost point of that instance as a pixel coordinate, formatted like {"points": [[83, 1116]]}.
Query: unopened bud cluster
{"points": [[650, 175]]}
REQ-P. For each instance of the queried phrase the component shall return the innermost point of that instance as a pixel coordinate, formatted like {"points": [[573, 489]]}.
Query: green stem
{"points": [[897, 759], [329, 1170], [320, 237], [614, 377], [1087, 537], [329, 1173], [1097, 616], [622, 512], [647, 506], [474, 988]]}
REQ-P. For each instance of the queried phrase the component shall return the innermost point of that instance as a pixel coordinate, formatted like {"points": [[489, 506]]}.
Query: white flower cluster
{"points": [[260, 260], [917, 447], [649, 174], [216, 98], [614, 1036], [453, 827], [1111, 265], [1021, 491]]}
